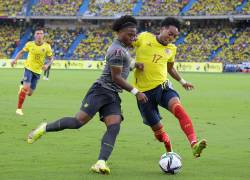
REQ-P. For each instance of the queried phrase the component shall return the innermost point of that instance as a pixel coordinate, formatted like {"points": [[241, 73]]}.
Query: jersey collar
{"points": [[121, 43]]}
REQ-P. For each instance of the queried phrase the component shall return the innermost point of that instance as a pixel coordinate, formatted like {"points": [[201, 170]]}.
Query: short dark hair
{"points": [[39, 29], [123, 22], [171, 21]]}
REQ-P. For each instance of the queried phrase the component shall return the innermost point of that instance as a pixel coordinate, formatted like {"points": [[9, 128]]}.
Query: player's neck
{"points": [[39, 43], [121, 42], [159, 40]]}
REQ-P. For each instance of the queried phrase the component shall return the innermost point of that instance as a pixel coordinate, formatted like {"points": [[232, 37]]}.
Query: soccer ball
{"points": [[170, 163]]}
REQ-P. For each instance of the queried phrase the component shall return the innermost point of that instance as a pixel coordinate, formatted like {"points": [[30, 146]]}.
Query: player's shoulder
{"points": [[145, 34], [30, 43], [116, 48], [46, 44], [172, 46], [116, 52]]}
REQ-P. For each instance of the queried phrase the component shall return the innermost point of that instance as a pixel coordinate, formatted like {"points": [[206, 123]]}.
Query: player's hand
{"points": [[45, 67], [141, 97], [188, 86], [139, 66], [12, 63]]}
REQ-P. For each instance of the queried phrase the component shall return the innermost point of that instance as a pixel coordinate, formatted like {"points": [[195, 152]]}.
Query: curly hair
{"points": [[170, 21], [123, 22], [39, 28]]}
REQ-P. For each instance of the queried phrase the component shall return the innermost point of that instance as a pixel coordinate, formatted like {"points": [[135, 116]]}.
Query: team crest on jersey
{"points": [[168, 51], [149, 44], [43, 49]]}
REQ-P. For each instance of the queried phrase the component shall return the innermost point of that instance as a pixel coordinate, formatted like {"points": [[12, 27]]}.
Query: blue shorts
{"points": [[157, 96], [30, 78]]}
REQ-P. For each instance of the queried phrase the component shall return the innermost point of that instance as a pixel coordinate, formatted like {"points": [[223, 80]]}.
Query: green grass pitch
{"points": [[219, 107]]}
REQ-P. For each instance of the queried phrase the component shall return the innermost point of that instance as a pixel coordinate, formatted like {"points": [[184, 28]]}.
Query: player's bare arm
{"points": [[118, 79], [139, 66], [19, 55], [50, 61], [172, 71]]}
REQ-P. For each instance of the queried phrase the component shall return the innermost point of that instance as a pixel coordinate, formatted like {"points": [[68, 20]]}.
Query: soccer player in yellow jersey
{"points": [[157, 54], [38, 51]]}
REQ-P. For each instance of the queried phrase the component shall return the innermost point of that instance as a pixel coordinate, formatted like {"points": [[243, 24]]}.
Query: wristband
{"points": [[182, 81], [134, 91], [132, 64]]}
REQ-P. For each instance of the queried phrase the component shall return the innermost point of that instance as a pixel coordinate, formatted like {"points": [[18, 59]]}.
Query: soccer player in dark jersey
{"points": [[157, 54], [103, 96]]}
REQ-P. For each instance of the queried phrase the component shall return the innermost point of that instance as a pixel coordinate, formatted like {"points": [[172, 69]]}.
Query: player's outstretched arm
{"points": [[116, 72], [174, 74], [18, 56]]}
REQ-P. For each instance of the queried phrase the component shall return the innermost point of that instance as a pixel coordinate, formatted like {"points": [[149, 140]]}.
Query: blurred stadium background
{"points": [[215, 31]]}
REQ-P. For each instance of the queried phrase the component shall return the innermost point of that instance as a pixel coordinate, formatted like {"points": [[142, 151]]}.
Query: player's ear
{"points": [[162, 28]]}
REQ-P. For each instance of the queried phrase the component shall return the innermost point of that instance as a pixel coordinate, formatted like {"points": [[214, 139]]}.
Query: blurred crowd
{"points": [[162, 7], [246, 9], [94, 47], [60, 40], [239, 51], [12, 7], [110, 7], [214, 7], [9, 39], [121, 7], [56, 7], [198, 44]]}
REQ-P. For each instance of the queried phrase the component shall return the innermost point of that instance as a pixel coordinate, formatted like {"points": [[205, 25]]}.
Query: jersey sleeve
{"points": [[49, 52], [173, 54], [139, 39], [27, 47], [115, 58]]}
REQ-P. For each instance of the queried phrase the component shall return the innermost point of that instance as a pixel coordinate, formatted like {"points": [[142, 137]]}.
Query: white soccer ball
{"points": [[170, 163]]}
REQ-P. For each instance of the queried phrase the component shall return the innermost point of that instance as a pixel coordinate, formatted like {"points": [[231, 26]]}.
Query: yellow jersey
{"points": [[36, 56], [155, 57]]}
